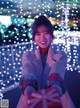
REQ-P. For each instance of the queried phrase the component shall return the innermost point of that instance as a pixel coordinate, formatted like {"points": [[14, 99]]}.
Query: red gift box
{"points": [[46, 98]]}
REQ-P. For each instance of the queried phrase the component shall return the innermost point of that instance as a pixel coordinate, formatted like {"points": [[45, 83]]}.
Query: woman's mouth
{"points": [[43, 42]]}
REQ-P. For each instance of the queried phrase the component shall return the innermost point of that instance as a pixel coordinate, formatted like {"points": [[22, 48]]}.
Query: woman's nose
{"points": [[42, 36]]}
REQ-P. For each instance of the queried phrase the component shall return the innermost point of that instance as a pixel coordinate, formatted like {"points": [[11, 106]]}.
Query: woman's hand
{"points": [[49, 98]]}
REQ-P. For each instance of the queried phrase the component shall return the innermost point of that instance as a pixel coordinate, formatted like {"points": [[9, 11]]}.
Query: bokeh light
{"points": [[16, 18]]}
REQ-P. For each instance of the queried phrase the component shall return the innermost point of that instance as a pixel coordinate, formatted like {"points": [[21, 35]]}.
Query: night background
{"points": [[16, 18]]}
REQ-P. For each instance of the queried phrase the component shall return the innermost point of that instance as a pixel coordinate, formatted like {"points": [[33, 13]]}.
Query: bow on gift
{"points": [[48, 97]]}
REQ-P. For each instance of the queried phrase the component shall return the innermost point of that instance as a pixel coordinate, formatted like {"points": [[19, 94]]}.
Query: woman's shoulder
{"points": [[56, 50], [29, 54]]}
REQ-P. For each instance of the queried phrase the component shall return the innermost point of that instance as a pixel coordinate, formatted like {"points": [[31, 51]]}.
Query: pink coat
{"points": [[32, 64]]}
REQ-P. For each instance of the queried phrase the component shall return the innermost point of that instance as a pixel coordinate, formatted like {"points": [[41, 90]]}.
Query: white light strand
{"points": [[11, 63]]}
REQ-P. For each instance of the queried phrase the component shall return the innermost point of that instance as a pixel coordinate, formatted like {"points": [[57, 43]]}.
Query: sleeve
{"points": [[57, 72], [59, 66], [55, 79], [28, 80]]}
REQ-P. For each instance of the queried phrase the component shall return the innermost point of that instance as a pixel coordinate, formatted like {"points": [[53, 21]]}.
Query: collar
{"points": [[44, 50]]}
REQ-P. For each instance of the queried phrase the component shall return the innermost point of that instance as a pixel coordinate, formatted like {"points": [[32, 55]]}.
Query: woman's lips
{"points": [[43, 42]]}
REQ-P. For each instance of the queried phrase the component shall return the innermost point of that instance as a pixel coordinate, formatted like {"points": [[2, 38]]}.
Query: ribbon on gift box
{"points": [[46, 96]]}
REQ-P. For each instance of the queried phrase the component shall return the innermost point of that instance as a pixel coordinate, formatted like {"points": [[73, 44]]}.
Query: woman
{"points": [[44, 69]]}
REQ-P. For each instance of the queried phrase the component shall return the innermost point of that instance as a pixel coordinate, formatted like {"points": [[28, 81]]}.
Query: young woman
{"points": [[44, 68]]}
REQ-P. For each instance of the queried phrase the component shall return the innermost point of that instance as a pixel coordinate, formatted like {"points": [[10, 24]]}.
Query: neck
{"points": [[44, 50]]}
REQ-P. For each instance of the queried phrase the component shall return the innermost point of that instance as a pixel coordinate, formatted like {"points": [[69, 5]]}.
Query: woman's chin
{"points": [[43, 47]]}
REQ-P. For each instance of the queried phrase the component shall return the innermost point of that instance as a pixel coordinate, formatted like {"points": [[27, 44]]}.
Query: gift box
{"points": [[45, 98]]}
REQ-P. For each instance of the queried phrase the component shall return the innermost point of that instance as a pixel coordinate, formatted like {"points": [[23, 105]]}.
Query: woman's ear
{"points": [[51, 39], [54, 37]]}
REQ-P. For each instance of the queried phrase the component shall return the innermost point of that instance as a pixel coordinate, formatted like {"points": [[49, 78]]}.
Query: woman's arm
{"points": [[60, 63], [28, 80], [57, 71]]}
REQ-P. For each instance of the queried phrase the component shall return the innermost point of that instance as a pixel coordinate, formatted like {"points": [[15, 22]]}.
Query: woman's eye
{"points": [[46, 32], [37, 33]]}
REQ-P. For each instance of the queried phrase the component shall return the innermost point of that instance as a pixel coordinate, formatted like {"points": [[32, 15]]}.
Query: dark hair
{"points": [[42, 20]]}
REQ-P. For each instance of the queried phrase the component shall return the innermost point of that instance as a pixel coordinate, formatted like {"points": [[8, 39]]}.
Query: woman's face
{"points": [[42, 37]]}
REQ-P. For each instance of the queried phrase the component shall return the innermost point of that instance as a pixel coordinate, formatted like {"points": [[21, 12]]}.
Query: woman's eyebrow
{"points": [[37, 32]]}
